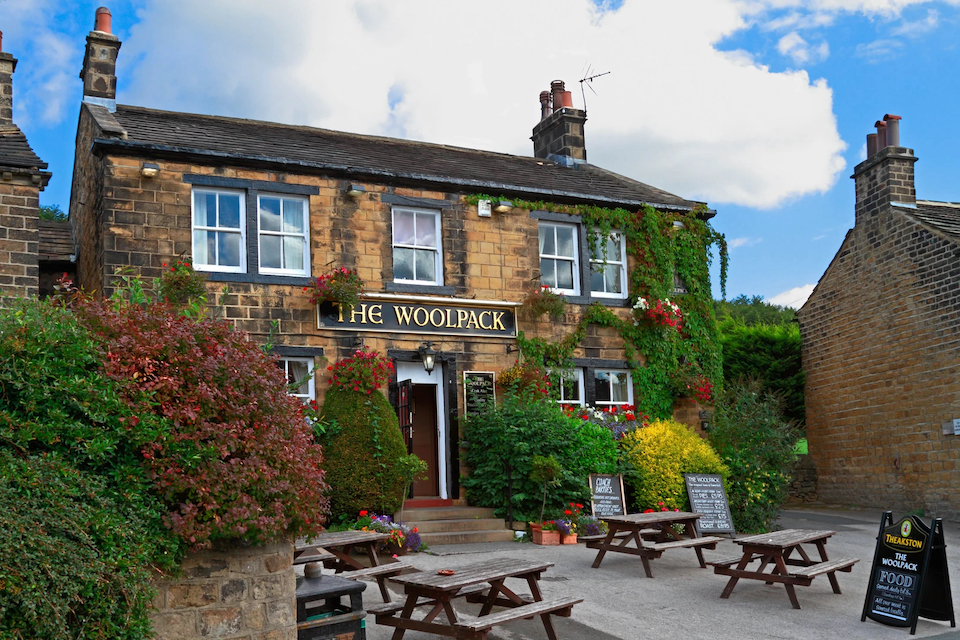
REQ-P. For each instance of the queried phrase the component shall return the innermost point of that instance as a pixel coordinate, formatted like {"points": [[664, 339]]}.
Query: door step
{"points": [[456, 525]]}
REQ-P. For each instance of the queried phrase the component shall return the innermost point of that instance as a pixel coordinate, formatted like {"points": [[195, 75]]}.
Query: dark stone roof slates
{"points": [[15, 151]]}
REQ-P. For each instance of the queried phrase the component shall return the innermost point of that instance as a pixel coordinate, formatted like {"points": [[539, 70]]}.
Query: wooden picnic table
{"points": [[333, 550], [775, 550], [479, 583], [648, 535]]}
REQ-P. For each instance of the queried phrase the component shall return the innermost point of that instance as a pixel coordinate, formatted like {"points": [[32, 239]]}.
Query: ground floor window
{"points": [[612, 387], [299, 372]]}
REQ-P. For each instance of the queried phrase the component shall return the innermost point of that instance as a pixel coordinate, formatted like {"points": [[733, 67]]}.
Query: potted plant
{"points": [[545, 470], [342, 286], [547, 534], [568, 531]]}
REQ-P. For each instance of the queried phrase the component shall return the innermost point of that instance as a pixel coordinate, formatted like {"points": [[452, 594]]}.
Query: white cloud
{"points": [[742, 242], [793, 298], [879, 50], [919, 27], [800, 51]]}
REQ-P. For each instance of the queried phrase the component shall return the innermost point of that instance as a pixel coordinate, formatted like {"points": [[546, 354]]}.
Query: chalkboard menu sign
{"points": [[909, 577], [708, 497], [478, 389], [606, 495]]}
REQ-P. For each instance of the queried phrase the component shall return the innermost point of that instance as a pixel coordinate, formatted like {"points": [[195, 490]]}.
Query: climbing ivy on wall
{"points": [[661, 249]]}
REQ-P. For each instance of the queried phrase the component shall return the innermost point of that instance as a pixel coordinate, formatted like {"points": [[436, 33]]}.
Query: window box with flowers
{"points": [[341, 286]]}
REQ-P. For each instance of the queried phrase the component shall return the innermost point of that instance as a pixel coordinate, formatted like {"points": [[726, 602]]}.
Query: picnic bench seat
{"points": [[479, 627], [828, 566], [390, 608], [727, 562], [710, 542], [618, 534], [380, 573]]}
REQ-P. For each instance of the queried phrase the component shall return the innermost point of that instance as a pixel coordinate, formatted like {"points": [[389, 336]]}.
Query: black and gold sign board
{"points": [[478, 390], [909, 578], [418, 317]]}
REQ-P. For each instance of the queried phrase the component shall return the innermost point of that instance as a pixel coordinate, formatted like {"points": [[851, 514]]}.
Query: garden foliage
{"points": [[757, 444], [363, 457], [658, 455], [503, 439], [769, 353]]}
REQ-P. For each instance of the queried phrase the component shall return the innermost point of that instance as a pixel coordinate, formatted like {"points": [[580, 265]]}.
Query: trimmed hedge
{"points": [[362, 458], [658, 455]]}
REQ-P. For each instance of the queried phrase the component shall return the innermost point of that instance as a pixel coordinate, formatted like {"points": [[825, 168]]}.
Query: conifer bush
{"points": [[658, 455]]}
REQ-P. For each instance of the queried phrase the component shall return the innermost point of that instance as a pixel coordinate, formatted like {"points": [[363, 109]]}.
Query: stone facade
{"points": [[19, 238], [243, 593], [881, 350]]}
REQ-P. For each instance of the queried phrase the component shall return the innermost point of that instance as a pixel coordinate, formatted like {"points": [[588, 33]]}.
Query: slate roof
{"points": [[15, 151], [56, 240], [942, 216], [166, 133]]}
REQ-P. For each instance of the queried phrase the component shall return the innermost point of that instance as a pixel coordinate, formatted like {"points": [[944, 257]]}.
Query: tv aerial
{"points": [[588, 77]]}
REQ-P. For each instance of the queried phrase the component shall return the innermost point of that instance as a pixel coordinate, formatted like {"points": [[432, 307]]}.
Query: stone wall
{"points": [[881, 351], [246, 593], [803, 486], [19, 238]]}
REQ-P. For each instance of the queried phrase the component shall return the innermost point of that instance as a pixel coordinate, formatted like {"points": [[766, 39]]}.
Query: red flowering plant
{"points": [[179, 284], [341, 285], [690, 380], [543, 299], [620, 419], [659, 312], [525, 376], [365, 371], [402, 536]]}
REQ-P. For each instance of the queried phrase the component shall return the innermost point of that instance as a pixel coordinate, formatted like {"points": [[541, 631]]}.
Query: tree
{"points": [[52, 212], [754, 310]]}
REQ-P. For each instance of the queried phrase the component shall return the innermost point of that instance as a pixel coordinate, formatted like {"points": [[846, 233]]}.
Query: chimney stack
{"points": [[559, 134], [8, 64], [99, 73], [886, 176]]}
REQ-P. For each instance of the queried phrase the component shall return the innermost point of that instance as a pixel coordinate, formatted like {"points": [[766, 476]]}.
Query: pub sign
{"points": [[420, 316]]}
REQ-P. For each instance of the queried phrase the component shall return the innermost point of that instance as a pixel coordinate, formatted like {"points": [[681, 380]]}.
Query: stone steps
{"points": [[457, 525]]}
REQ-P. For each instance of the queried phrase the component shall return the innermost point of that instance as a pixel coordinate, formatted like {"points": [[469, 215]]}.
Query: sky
{"points": [[758, 107]]}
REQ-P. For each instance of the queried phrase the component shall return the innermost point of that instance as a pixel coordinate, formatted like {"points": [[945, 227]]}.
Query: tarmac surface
{"points": [[683, 600]]}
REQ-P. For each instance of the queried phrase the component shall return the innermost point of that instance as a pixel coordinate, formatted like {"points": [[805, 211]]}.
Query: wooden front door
{"points": [[425, 438]]}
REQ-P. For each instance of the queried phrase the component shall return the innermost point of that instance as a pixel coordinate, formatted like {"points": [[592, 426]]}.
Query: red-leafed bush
{"points": [[238, 460]]}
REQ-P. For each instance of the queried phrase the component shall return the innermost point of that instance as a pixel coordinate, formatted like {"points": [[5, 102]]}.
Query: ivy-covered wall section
{"points": [[670, 340]]}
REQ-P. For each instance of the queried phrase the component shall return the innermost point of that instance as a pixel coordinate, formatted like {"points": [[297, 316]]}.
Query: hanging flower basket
{"points": [[341, 285], [658, 312]]}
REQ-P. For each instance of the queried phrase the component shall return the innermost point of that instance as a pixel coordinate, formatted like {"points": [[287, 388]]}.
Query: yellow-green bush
{"points": [[658, 455]]}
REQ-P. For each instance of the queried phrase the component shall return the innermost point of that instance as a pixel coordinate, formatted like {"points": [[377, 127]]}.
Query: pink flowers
{"points": [[660, 312], [341, 285]]}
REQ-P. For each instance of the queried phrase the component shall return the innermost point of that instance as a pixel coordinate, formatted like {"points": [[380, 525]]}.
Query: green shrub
{"points": [[769, 353], [363, 458], [74, 557], [757, 444], [502, 442], [658, 455]]}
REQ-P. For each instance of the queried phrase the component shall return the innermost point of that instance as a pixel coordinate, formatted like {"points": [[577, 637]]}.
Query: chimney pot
{"points": [[893, 130], [556, 88], [566, 99], [103, 21], [881, 135], [545, 109], [871, 144]]}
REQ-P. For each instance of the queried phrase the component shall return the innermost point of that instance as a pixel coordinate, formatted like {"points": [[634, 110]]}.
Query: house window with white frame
{"points": [[299, 372], [283, 227], [612, 387], [608, 269], [218, 231], [559, 257], [571, 386], [417, 254]]}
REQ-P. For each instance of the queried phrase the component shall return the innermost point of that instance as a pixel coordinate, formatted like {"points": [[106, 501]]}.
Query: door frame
{"points": [[417, 375]]}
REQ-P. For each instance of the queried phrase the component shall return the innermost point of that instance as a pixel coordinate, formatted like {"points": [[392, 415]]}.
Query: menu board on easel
{"points": [[708, 497], [478, 389], [909, 578], [606, 495]]}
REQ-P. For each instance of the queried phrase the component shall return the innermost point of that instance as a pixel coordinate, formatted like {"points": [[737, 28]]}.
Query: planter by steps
{"points": [[547, 538], [570, 538]]}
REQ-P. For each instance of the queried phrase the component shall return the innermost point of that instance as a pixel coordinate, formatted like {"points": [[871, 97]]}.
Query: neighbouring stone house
{"points": [[23, 176], [881, 345], [263, 207]]}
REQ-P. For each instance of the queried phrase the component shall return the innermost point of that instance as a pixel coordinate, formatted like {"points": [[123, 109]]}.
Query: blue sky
{"points": [[759, 107]]}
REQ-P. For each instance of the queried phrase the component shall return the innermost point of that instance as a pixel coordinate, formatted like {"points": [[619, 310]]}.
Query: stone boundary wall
{"points": [[244, 593], [803, 486]]}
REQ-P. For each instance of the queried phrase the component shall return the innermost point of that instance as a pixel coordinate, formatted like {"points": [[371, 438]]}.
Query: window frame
{"points": [[305, 271], [581, 388], [311, 378], [622, 262], [242, 230], [437, 249], [611, 403], [575, 259]]}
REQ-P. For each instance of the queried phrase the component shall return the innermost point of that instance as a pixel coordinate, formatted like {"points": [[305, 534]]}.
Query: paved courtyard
{"points": [[682, 601]]}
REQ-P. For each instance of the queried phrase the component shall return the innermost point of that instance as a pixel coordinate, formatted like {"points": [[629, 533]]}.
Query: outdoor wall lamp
{"points": [[503, 206], [149, 170], [428, 356], [356, 190]]}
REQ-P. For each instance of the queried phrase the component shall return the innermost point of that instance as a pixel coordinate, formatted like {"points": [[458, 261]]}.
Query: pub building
{"points": [[261, 208]]}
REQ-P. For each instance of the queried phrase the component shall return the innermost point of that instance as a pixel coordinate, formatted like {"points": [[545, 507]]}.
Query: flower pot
{"points": [[546, 537], [393, 549], [568, 539]]}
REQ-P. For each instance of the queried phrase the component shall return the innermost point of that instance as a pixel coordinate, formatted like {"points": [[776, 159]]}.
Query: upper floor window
{"points": [[559, 268], [417, 256], [283, 226], [608, 269], [218, 231], [612, 387], [299, 372]]}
